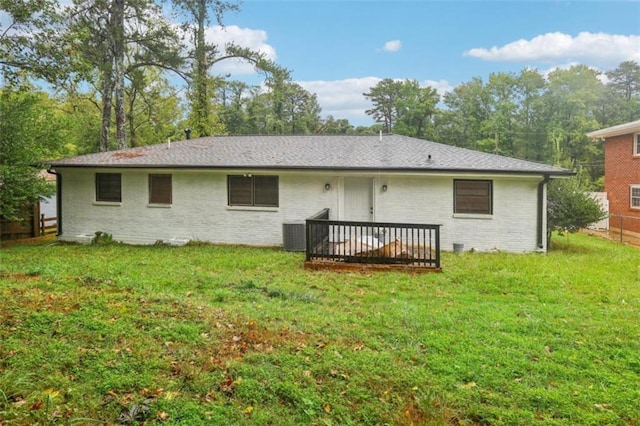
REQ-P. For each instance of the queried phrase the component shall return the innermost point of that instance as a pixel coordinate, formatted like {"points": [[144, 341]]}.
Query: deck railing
{"points": [[372, 242]]}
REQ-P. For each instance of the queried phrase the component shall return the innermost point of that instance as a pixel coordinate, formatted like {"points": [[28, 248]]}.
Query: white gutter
{"points": [[621, 129]]}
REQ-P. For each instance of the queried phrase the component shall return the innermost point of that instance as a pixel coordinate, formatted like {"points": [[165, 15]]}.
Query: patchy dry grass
{"points": [[234, 335]]}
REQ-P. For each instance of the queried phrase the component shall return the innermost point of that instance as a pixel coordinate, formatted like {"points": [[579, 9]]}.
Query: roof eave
{"points": [[621, 129], [558, 172]]}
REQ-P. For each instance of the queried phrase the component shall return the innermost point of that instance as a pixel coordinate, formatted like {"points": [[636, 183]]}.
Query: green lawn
{"points": [[202, 334]]}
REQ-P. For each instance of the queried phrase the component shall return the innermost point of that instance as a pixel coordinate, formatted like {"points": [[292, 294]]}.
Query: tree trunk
{"points": [[118, 48], [202, 107], [106, 92]]}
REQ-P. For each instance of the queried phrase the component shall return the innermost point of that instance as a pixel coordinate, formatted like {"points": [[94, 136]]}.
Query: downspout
{"points": [[542, 234], [58, 201]]}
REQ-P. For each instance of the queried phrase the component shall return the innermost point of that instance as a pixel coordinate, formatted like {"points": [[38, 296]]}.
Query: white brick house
{"points": [[241, 189]]}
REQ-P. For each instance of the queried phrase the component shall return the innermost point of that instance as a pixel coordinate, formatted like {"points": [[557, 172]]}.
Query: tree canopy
{"points": [[30, 130], [113, 67]]}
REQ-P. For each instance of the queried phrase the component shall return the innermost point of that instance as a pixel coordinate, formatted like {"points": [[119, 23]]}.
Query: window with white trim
{"points": [[252, 191], [635, 196], [636, 144]]}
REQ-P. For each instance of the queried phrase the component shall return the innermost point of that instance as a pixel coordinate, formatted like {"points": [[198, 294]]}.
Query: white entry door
{"points": [[358, 199]]}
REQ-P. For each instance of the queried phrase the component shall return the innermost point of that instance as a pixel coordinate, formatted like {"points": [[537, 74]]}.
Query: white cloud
{"points": [[392, 46], [243, 37], [602, 76], [594, 47], [345, 99]]}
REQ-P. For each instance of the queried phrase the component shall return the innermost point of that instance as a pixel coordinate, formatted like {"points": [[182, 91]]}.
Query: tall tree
{"points": [[204, 55], [30, 40], [117, 37], [30, 132], [302, 111], [284, 108], [624, 85], [530, 136], [466, 109], [626, 79], [572, 97], [153, 109], [416, 109], [233, 97], [501, 92], [333, 126], [384, 97]]}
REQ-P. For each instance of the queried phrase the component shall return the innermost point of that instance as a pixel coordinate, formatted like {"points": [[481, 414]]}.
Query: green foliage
{"points": [[110, 46], [403, 107], [30, 132], [569, 206], [523, 115], [116, 333], [102, 238], [30, 42]]}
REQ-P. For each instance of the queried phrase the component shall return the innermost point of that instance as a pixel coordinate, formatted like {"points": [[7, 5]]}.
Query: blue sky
{"points": [[339, 49]]}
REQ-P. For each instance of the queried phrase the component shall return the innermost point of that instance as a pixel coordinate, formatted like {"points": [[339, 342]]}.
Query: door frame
{"points": [[371, 196]]}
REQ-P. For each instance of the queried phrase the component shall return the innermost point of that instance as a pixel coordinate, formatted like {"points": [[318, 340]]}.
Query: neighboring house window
{"points": [[108, 187], [258, 191], [635, 196], [636, 144], [473, 196], [159, 189]]}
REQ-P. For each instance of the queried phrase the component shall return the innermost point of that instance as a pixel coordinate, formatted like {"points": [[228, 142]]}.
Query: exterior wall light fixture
{"points": [[384, 188], [327, 186]]}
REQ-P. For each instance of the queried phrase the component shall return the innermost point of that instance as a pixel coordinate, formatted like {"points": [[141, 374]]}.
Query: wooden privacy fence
{"points": [[33, 224], [409, 244], [28, 227]]}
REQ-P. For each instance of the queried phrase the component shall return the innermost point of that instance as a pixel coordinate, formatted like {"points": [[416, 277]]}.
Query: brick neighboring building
{"points": [[622, 174]]}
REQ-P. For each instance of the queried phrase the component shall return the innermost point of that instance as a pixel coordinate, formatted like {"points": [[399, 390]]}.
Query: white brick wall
{"points": [[200, 212], [512, 227]]}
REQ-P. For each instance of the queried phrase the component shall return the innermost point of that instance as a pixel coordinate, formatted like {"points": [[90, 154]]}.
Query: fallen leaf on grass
{"points": [[52, 393], [468, 385], [162, 416], [326, 408], [603, 407]]}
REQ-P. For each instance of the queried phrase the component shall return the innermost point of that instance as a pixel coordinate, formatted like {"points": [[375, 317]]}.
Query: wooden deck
{"points": [[351, 245]]}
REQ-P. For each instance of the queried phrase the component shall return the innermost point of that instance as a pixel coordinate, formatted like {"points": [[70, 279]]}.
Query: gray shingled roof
{"points": [[324, 152]]}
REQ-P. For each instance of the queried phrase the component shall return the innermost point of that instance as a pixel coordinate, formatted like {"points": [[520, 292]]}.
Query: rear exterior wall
{"points": [[200, 211]]}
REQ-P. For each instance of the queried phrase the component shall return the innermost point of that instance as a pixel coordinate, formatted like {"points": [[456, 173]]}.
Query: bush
{"points": [[569, 207]]}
